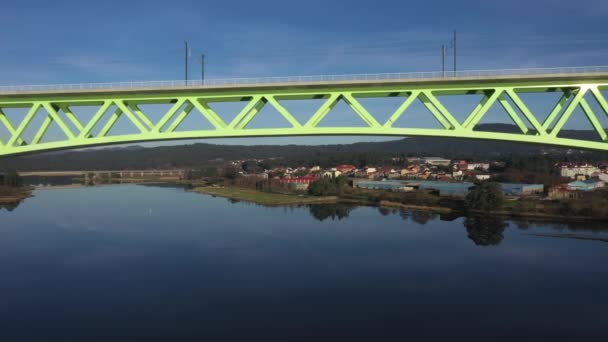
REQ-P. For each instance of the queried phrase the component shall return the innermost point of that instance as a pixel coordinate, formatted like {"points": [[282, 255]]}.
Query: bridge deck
{"points": [[308, 82], [84, 172]]}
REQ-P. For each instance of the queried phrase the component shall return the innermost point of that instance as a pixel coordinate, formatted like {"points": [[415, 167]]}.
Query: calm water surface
{"points": [[123, 262]]}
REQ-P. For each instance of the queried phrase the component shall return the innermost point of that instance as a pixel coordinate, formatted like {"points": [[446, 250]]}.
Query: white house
{"points": [[332, 174], [572, 171], [603, 177], [436, 161], [478, 166]]}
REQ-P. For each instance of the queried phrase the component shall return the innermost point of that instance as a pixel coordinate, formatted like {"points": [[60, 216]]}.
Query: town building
{"points": [[394, 175], [460, 165], [603, 177], [478, 166], [442, 188], [410, 170], [518, 189], [561, 192], [462, 188], [436, 161], [389, 185], [332, 174], [446, 188], [482, 177], [299, 183], [571, 171], [346, 168], [586, 185]]}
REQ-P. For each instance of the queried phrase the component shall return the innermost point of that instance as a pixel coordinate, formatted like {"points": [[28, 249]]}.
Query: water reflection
{"points": [[582, 226], [419, 217], [323, 212], [485, 230], [481, 230], [121, 260], [50, 181], [10, 206]]}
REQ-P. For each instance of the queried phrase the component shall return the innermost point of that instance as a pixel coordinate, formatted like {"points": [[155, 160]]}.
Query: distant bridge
{"points": [[60, 105], [120, 173]]}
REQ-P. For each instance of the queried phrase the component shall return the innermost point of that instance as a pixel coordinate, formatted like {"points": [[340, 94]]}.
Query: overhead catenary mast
{"points": [[443, 53], [455, 45], [202, 68], [186, 56]]}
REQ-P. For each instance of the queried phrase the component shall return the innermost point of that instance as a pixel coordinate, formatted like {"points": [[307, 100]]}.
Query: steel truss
{"points": [[62, 109]]}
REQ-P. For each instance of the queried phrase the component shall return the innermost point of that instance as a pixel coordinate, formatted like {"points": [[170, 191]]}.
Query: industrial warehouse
{"points": [[458, 189]]}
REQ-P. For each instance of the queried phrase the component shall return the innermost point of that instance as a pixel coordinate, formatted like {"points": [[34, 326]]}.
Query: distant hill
{"points": [[194, 155]]}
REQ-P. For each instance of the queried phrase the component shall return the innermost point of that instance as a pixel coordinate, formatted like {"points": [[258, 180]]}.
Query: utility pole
{"points": [[202, 68], [186, 53], [443, 52], [455, 44]]}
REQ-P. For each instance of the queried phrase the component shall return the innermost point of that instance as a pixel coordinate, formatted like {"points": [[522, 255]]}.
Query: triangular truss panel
{"points": [[544, 112]]}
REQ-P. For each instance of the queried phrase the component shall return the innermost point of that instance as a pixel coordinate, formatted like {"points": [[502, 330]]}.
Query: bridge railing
{"points": [[260, 81]]}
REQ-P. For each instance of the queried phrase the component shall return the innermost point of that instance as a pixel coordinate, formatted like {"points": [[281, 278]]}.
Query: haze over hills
{"points": [[199, 154]]}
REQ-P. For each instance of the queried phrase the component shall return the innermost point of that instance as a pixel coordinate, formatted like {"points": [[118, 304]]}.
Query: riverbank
{"points": [[264, 198], [506, 213], [387, 200], [438, 210], [537, 216]]}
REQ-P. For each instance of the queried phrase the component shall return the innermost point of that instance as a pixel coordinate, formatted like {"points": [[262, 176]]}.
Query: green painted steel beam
{"points": [[593, 120], [513, 115], [114, 105], [180, 118], [402, 108], [284, 112]]}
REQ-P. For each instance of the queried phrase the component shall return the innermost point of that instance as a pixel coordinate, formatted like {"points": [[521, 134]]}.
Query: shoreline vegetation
{"points": [[448, 207], [423, 202]]}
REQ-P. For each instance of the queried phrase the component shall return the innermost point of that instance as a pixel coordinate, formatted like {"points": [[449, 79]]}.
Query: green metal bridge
{"points": [[60, 104]]}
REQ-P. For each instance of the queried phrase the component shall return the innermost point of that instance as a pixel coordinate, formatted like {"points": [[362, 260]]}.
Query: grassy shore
{"points": [[263, 198], [280, 199]]}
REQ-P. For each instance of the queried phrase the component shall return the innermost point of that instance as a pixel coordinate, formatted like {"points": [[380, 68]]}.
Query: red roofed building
{"points": [[345, 168], [300, 180]]}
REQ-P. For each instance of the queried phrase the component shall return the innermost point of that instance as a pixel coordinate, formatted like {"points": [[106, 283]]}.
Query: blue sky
{"points": [[96, 41]]}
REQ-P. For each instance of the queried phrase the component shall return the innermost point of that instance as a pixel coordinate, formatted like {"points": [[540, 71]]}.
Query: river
{"points": [[126, 261]]}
